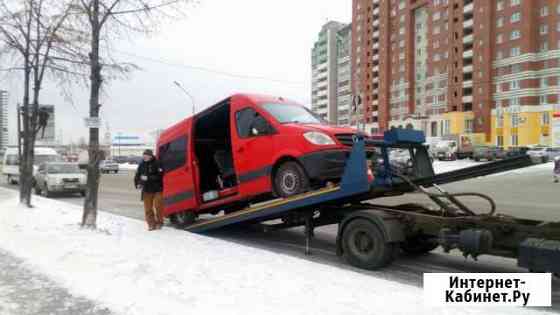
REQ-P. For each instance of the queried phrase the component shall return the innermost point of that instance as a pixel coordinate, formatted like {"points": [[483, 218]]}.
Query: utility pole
{"points": [[187, 94]]}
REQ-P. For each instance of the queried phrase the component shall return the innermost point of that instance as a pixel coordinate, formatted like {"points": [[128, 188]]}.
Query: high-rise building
{"points": [[331, 73], [3, 119], [490, 69]]}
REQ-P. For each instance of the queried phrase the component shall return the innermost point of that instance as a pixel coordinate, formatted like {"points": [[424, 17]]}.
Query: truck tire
{"points": [[183, 219], [364, 245], [290, 179]]}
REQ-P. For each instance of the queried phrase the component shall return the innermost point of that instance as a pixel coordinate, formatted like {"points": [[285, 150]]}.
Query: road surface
{"points": [[526, 195]]}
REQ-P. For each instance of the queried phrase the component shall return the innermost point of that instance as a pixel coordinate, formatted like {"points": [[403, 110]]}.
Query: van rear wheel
{"points": [[290, 179], [183, 219]]}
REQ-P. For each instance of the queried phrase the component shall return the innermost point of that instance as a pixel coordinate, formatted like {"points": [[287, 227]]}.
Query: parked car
{"points": [[538, 154], [455, 146], [134, 160], [108, 166], [552, 153], [516, 151], [487, 153], [59, 177], [11, 162], [248, 148]]}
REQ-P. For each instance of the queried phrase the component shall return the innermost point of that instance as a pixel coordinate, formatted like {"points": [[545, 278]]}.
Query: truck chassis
{"points": [[370, 235]]}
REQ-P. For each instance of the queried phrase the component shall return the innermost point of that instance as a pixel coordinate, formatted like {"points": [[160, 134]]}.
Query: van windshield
{"points": [[63, 169], [288, 113]]}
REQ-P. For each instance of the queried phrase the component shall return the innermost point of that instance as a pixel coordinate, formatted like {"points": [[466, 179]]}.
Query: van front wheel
{"points": [[290, 179]]}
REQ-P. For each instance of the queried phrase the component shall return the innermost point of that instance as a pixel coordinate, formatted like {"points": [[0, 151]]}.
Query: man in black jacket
{"points": [[149, 178]]}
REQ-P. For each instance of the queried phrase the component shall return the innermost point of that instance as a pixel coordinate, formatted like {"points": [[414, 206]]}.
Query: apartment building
{"points": [[485, 68], [331, 73]]}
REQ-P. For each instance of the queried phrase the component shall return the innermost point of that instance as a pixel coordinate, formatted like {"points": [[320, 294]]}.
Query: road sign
{"points": [[92, 122]]}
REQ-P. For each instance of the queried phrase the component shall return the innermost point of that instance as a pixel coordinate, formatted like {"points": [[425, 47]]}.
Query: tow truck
{"points": [[370, 235]]}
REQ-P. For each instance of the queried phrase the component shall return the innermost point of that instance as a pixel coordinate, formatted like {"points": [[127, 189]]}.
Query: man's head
{"points": [[148, 155]]}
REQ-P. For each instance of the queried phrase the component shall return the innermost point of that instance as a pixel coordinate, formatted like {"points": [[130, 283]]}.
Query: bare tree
{"points": [[29, 34], [104, 22]]}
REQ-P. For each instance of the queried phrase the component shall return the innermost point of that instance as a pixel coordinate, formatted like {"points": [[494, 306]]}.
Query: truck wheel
{"points": [[290, 179], [364, 245], [418, 246], [183, 219]]}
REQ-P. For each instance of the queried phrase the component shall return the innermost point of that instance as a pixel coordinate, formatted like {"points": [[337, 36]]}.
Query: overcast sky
{"points": [[255, 38]]}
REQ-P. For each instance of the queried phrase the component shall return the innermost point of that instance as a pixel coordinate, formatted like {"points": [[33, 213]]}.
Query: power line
{"points": [[219, 72]]}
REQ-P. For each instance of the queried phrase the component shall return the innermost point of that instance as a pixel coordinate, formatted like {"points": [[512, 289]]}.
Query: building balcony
{"points": [[375, 102], [376, 34], [468, 53], [375, 80], [375, 22], [376, 69], [376, 46], [375, 114], [468, 39], [467, 99], [468, 69], [468, 23], [375, 57], [467, 84], [376, 11], [468, 8]]}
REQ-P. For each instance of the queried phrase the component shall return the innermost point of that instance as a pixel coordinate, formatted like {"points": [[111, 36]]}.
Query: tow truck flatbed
{"points": [[369, 235]]}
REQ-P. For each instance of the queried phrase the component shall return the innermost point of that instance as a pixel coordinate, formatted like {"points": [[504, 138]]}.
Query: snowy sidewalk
{"points": [[131, 271], [25, 292]]}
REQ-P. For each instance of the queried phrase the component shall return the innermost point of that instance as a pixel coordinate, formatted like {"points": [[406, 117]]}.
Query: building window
{"points": [[544, 82], [515, 34], [515, 120], [514, 101], [514, 85], [515, 51], [499, 38], [543, 100], [436, 30], [500, 141], [515, 2], [498, 87], [544, 11], [514, 140], [545, 118], [515, 17], [436, 44], [515, 68], [500, 120], [499, 54], [436, 16], [543, 29], [469, 126], [436, 57], [500, 22], [543, 46], [500, 5]]}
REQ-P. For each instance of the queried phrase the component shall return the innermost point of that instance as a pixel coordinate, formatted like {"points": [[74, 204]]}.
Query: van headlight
{"points": [[318, 138]]}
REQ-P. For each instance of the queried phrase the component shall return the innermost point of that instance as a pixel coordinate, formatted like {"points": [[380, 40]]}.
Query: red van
{"points": [[244, 149]]}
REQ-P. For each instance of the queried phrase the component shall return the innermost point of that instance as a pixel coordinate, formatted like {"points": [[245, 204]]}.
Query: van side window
{"points": [[251, 124], [173, 154]]}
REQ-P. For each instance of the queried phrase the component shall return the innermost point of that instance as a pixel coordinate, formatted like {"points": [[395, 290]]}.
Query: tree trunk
{"points": [[89, 218], [27, 153]]}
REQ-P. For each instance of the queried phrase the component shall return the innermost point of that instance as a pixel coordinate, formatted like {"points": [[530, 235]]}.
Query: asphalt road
{"points": [[525, 195]]}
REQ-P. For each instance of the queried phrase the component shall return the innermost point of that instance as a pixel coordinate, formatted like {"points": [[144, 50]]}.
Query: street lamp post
{"points": [[187, 94]]}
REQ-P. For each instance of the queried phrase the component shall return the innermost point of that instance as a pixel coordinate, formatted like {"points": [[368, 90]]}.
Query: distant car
{"points": [[59, 177], [538, 154], [516, 151], [108, 166], [485, 153], [134, 160], [120, 159], [552, 153]]}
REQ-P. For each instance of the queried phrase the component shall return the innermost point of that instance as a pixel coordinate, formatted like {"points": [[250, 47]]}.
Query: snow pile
{"points": [[133, 271]]}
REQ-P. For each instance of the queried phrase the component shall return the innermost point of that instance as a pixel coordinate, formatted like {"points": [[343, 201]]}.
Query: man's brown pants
{"points": [[153, 209]]}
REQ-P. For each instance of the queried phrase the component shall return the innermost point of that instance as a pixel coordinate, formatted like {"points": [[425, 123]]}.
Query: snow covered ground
{"points": [[448, 166], [132, 271]]}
